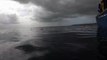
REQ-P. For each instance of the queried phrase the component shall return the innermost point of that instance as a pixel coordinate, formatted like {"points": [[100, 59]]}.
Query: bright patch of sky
{"points": [[24, 12]]}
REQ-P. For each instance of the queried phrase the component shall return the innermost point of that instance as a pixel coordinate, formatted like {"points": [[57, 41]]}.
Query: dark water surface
{"points": [[49, 43]]}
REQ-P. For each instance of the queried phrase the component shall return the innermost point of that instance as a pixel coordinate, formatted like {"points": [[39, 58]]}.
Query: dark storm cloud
{"points": [[65, 8], [8, 19]]}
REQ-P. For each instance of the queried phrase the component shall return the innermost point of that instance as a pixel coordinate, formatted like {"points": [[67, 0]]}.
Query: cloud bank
{"points": [[49, 12], [8, 19], [57, 10]]}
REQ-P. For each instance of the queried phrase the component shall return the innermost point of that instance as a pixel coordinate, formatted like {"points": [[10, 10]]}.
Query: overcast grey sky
{"points": [[50, 11]]}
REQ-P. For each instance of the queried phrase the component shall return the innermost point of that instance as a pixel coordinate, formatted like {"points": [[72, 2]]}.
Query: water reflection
{"points": [[25, 33], [16, 32], [8, 33], [51, 43]]}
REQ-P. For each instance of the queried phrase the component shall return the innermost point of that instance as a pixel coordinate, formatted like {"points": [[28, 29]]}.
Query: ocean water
{"points": [[48, 43]]}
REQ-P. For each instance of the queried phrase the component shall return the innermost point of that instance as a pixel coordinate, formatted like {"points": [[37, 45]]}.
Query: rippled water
{"points": [[47, 43]]}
